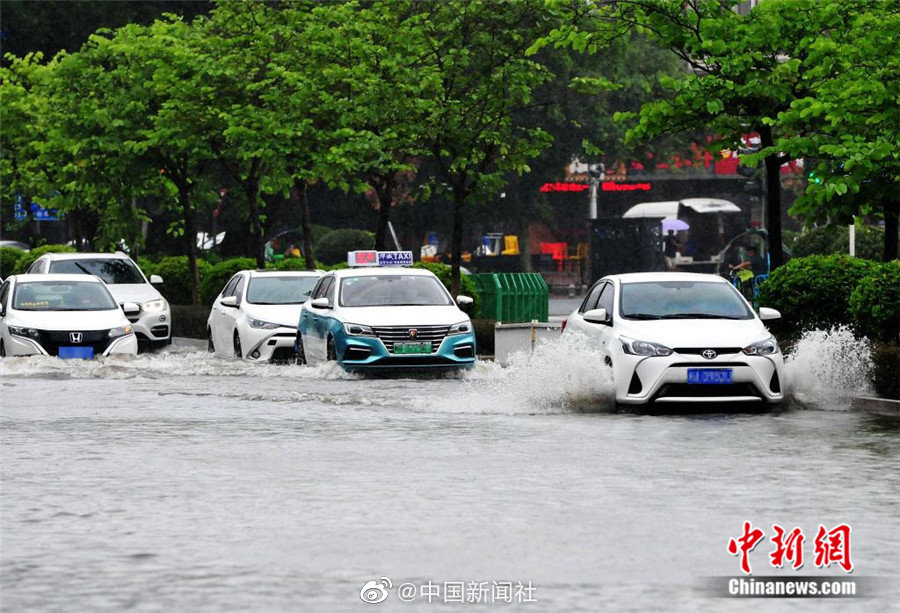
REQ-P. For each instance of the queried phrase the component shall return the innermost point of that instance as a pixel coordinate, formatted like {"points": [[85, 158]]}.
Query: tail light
{"points": [[564, 322]]}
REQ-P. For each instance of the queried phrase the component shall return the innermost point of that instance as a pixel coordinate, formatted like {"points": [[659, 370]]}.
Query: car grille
{"points": [[688, 390], [52, 340], [401, 334], [700, 350]]}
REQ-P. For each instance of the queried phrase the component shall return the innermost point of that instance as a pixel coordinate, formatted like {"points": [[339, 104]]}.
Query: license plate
{"points": [[407, 348], [83, 353], [709, 376]]}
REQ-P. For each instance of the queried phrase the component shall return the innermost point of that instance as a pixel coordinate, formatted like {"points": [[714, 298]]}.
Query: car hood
{"points": [[285, 314], [68, 320], [133, 292], [695, 333], [403, 316]]}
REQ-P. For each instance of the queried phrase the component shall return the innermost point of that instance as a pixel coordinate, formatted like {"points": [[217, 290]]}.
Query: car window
{"points": [[113, 271], [324, 287], [4, 290], [63, 296], [35, 267], [330, 290], [229, 287], [591, 299], [279, 289], [682, 300], [239, 289], [606, 299], [393, 290]]}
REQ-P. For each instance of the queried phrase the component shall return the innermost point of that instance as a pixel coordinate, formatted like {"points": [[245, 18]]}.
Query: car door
{"points": [[230, 314], [221, 339], [309, 323], [576, 321], [5, 291], [603, 333]]}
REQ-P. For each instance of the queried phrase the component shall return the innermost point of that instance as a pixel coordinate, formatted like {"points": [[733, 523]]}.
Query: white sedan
{"points": [[69, 316], [681, 338], [255, 316]]}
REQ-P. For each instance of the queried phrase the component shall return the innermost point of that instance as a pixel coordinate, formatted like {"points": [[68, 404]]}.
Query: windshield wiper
{"points": [[641, 316], [697, 316], [83, 269]]}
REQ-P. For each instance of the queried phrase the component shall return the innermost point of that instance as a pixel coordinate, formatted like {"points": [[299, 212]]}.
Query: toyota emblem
{"points": [[709, 354], [413, 333], [76, 337]]}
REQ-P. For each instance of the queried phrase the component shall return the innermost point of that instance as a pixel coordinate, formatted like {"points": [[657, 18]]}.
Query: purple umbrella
{"points": [[674, 224]]}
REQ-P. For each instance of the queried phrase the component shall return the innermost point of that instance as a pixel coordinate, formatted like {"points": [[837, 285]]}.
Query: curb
{"points": [[877, 406]]}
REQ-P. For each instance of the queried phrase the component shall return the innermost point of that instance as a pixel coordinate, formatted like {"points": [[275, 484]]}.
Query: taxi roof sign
{"points": [[357, 259]]}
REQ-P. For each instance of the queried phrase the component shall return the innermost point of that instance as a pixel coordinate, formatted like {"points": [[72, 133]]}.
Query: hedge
{"points": [[885, 366], [333, 247], [875, 303], [217, 276], [835, 239], [177, 281], [189, 320], [27, 259], [813, 292], [8, 258], [466, 287]]}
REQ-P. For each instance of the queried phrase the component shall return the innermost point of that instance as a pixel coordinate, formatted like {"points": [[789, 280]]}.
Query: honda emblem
{"points": [[76, 337]]}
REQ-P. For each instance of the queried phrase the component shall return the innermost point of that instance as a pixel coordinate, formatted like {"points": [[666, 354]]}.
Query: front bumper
{"points": [[663, 380], [22, 346], [367, 352], [273, 345], [153, 327]]}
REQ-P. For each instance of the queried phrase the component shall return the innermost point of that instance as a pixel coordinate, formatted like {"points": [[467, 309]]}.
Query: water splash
{"points": [[826, 368]]}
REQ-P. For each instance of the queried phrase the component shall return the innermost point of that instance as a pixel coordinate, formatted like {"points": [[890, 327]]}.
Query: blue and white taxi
{"points": [[379, 313]]}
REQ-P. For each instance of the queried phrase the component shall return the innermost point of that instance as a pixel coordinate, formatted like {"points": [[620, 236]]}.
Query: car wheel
{"points": [[210, 346], [2, 350], [299, 351], [237, 345], [332, 353]]}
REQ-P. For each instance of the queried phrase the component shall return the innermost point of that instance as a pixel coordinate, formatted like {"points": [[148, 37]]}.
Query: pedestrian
{"points": [[671, 248]]}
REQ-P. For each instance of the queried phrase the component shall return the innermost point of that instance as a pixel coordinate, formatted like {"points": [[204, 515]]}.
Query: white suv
{"points": [[126, 282]]}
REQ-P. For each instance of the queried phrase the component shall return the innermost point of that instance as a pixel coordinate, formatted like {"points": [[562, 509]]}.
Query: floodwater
{"points": [[181, 481]]}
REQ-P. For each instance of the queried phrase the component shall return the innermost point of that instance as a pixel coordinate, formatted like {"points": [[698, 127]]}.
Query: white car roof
{"points": [[369, 271], [55, 277], [668, 209], [253, 272], [86, 256], [643, 277]]}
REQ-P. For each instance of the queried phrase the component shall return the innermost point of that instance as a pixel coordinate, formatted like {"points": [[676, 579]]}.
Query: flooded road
{"points": [[179, 481]]}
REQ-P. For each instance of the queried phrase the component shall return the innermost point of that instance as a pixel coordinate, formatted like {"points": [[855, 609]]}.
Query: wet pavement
{"points": [[187, 482]]}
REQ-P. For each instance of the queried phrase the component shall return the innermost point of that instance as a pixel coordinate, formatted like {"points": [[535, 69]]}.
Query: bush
{"points": [[217, 276], [27, 259], [8, 258], [885, 366], [176, 279], [333, 247], [294, 264], [484, 335], [189, 320], [466, 285], [834, 239], [147, 265], [875, 303], [813, 292]]}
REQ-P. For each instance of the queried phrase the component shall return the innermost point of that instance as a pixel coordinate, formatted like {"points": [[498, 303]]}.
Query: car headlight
{"points": [[766, 346], [635, 347], [28, 332], [463, 327], [154, 306], [259, 324], [117, 332], [358, 330]]}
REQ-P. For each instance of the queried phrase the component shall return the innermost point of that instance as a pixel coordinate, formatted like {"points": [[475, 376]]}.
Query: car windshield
{"points": [[111, 270], [280, 290], [682, 300], [393, 290], [63, 296]]}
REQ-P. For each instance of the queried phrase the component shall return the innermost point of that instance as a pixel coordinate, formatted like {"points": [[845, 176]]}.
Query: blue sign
{"points": [[37, 212], [395, 258]]}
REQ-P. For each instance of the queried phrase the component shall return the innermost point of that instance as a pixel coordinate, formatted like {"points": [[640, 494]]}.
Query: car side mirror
{"points": [[131, 308], [767, 313], [229, 301], [156, 280], [320, 303], [464, 300], [596, 316]]}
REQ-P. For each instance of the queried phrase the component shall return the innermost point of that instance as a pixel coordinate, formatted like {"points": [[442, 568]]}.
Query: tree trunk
{"points": [[891, 211], [385, 193], [190, 239], [299, 194], [773, 199], [459, 205], [256, 236]]}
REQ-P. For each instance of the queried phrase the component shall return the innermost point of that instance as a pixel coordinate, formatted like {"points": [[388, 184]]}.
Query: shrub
{"points": [[176, 278], [813, 292], [333, 247], [217, 276], [875, 303], [484, 335], [8, 258], [885, 366], [147, 265], [466, 286], [293, 264], [835, 239], [189, 320], [27, 259]]}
